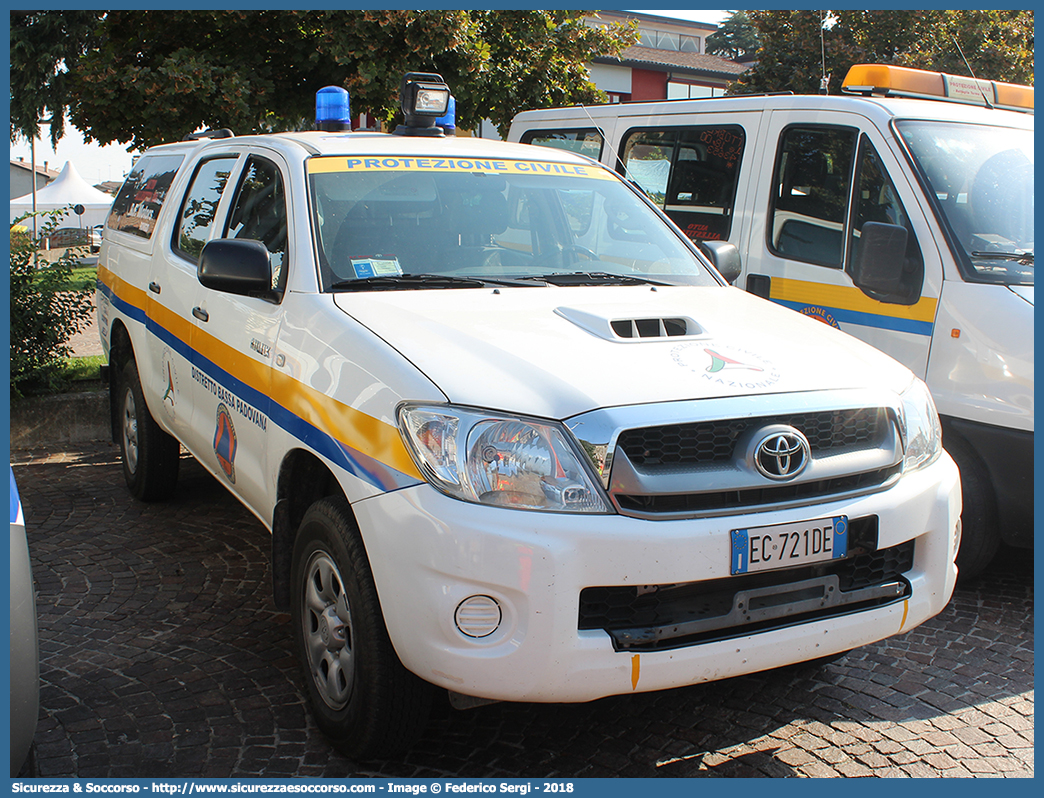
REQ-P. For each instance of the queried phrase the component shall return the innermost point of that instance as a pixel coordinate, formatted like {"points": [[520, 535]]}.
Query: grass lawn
{"points": [[83, 277]]}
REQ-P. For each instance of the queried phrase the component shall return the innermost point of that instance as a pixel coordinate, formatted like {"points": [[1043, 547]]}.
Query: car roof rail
{"points": [[221, 133]]}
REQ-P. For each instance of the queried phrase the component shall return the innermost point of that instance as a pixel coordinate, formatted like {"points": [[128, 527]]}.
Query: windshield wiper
{"points": [[1025, 258], [393, 282], [591, 278]]}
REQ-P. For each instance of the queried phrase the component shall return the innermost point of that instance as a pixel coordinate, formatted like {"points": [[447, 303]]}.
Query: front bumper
{"points": [[429, 552]]}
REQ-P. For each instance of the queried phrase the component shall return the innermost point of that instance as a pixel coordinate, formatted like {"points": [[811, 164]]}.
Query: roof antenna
{"points": [[824, 82], [978, 85]]}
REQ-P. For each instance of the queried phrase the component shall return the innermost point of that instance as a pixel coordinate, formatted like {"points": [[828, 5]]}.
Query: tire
{"points": [[980, 537], [150, 455], [361, 696]]}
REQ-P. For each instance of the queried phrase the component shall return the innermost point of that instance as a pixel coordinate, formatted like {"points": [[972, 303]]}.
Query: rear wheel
{"points": [[361, 695], [150, 455], [980, 537]]}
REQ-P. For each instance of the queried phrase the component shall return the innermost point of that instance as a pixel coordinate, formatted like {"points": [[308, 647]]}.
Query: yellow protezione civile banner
{"points": [[379, 163]]}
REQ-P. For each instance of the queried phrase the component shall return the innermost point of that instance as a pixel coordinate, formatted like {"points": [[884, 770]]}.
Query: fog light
{"points": [[957, 538], [478, 616]]}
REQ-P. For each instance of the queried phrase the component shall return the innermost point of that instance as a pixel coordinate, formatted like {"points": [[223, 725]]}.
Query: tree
{"points": [[735, 37], [44, 313], [794, 45], [156, 76], [43, 44]]}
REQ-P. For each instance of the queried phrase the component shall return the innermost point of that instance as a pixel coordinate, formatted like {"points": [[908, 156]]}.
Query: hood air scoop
{"points": [[628, 326]]}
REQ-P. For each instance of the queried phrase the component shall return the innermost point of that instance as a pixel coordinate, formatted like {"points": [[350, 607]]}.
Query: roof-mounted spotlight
{"points": [[424, 97]]}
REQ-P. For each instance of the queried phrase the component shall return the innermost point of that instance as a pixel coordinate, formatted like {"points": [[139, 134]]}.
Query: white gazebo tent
{"points": [[67, 189]]}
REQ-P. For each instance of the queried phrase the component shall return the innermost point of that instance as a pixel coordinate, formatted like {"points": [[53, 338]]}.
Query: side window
{"points": [[876, 200], [586, 141], [259, 213], [809, 204], [199, 208], [137, 205], [690, 172]]}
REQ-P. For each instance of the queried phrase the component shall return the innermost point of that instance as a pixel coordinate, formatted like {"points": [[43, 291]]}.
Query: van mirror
{"points": [[877, 265], [725, 257], [236, 266]]}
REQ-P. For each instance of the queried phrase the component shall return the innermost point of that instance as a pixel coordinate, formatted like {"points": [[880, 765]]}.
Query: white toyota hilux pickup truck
{"points": [[514, 435]]}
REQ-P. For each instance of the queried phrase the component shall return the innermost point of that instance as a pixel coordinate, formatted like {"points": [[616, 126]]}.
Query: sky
{"points": [[97, 164]]}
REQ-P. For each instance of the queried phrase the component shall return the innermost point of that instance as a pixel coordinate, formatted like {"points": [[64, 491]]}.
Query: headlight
{"points": [[503, 461], [922, 433]]}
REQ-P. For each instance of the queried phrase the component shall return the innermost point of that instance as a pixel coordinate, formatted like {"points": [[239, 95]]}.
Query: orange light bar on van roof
{"points": [[895, 81]]}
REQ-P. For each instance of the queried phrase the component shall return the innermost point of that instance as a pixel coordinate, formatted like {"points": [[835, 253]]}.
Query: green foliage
{"points": [[998, 45], [157, 76], [734, 38], [44, 312], [43, 43]]}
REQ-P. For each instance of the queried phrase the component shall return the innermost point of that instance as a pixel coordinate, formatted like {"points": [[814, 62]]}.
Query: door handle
{"points": [[155, 288], [200, 314]]}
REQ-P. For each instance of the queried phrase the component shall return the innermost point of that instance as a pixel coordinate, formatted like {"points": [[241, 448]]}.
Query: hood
{"points": [[554, 352], [1024, 291]]}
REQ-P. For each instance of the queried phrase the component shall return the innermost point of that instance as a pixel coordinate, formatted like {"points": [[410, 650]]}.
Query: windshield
{"points": [[392, 222], [982, 180]]}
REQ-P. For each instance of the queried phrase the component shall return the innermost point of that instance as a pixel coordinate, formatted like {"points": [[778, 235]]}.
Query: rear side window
{"points": [[137, 205], [690, 172], [586, 141], [199, 209]]}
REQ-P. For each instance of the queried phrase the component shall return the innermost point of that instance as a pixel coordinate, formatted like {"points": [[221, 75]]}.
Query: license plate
{"points": [[763, 548]]}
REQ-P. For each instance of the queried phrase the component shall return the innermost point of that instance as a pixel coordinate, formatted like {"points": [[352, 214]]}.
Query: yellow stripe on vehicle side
{"points": [[849, 298]]}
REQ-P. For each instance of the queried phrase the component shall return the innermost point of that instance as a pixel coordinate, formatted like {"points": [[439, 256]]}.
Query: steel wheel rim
{"points": [[327, 631], [130, 431]]}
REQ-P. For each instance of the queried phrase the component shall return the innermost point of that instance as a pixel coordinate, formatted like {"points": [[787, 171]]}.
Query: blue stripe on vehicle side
{"points": [[351, 460], [868, 319]]}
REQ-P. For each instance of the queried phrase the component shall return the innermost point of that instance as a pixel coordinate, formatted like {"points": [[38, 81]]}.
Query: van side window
{"points": [[810, 200], [137, 205], [200, 206], [876, 200], [690, 172], [259, 213], [585, 141]]}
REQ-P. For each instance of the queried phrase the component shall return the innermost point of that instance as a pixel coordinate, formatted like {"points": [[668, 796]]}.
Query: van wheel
{"points": [[150, 455], [361, 695], [980, 537]]}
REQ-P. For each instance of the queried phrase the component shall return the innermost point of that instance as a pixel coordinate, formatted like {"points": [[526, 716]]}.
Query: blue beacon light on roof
{"points": [[333, 111]]}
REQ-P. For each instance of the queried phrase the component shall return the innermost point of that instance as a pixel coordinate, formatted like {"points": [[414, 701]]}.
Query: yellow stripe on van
{"points": [[848, 298]]}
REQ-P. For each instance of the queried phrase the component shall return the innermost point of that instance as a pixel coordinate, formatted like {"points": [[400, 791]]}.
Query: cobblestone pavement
{"points": [[162, 655]]}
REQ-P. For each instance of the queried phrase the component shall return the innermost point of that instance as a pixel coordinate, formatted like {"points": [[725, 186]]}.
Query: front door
{"points": [[827, 180]]}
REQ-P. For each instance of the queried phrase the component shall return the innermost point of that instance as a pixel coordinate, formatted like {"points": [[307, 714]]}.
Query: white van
{"points": [[513, 435], [901, 213]]}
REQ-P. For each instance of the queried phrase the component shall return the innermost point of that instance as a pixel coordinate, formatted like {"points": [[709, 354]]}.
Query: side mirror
{"points": [[877, 268], [236, 266], [724, 257]]}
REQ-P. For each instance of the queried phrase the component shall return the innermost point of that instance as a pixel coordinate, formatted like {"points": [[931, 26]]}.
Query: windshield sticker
{"points": [[726, 367], [494, 166], [376, 267]]}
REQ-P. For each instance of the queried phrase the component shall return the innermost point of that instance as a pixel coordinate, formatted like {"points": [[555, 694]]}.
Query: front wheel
{"points": [[150, 456], [980, 537], [361, 695]]}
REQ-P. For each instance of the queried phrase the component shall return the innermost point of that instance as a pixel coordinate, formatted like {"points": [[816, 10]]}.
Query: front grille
{"points": [[695, 503], [656, 617], [715, 441]]}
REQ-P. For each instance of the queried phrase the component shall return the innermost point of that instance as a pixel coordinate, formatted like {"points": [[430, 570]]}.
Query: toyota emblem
{"points": [[782, 454]]}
